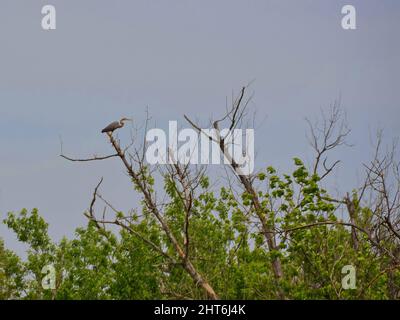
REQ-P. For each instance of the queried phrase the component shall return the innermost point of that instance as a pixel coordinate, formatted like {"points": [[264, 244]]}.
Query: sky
{"points": [[108, 59]]}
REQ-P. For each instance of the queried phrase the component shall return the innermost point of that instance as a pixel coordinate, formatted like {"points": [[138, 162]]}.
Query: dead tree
{"points": [[233, 118], [381, 189], [134, 164], [325, 135]]}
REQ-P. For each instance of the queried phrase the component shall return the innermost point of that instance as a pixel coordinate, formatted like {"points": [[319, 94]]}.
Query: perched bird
{"points": [[115, 125]]}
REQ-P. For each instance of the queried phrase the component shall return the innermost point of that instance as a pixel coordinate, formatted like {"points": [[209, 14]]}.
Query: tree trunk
{"points": [[188, 266]]}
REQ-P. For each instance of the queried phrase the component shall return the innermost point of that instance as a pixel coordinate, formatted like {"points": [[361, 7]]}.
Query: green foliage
{"points": [[226, 247], [11, 274]]}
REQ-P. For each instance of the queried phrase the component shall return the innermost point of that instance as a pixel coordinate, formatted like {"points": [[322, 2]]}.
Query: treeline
{"points": [[264, 236]]}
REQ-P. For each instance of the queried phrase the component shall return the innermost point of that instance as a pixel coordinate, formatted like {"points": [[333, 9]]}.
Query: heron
{"points": [[115, 125]]}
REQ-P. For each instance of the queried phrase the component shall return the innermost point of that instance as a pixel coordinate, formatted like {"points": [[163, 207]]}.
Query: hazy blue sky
{"points": [[107, 59]]}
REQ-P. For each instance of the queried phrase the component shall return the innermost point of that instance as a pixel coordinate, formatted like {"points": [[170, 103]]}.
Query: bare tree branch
{"points": [[94, 158]]}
